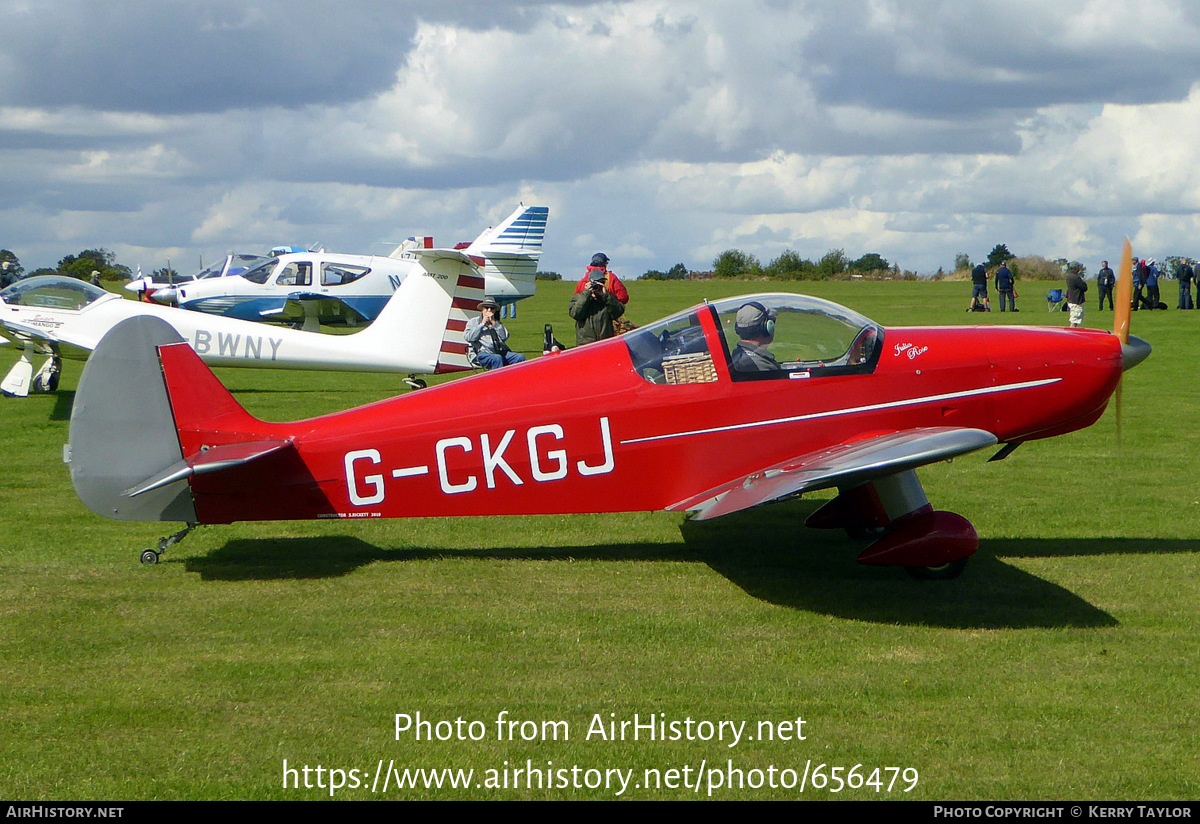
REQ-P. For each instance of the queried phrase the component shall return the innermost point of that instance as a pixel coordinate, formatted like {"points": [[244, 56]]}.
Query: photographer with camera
{"points": [[487, 335], [594, 308], [611, 281]]}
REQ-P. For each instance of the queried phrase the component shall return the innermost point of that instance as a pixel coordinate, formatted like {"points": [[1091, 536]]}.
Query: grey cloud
{"points": [[153, 56]]}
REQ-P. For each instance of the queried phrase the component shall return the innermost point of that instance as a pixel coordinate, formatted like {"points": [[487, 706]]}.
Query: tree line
{"points": [[79, 266]]}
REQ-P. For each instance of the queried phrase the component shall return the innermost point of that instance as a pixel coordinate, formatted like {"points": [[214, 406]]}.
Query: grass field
{"points": [[1063, 664]]}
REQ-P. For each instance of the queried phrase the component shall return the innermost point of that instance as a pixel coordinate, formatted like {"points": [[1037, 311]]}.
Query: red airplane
{"points": [[713, 410]]}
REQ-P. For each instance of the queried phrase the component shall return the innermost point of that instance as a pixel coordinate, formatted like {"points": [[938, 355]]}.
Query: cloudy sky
{"points": [[659, 132]]}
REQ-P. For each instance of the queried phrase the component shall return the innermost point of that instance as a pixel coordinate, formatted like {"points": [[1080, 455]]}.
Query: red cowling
{"points": [[928, 540]]}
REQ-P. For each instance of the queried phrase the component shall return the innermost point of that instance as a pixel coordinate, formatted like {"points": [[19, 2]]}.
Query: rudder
{"points": [[122, 429]]}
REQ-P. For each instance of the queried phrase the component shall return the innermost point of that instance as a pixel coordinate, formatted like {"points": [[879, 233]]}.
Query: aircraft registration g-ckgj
{"points": [[317, 287], [419, 331], [678, 415]]}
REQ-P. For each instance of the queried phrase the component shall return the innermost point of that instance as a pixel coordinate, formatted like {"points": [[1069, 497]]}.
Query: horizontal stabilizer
{"points": [[841, 465], [213, 459]]}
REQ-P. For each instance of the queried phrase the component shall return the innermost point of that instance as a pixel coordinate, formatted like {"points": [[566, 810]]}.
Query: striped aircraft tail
{"points": [[511, 249], [454, 355]]}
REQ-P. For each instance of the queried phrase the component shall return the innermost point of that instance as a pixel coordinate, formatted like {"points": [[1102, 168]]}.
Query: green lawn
{"points": [[1062, 665]]}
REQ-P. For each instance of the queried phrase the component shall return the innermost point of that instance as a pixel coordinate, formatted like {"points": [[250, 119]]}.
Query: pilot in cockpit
{"points": [[755, 326]]}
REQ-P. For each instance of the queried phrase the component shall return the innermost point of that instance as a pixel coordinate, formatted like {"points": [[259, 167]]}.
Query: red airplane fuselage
{"points": [[586, 431]]}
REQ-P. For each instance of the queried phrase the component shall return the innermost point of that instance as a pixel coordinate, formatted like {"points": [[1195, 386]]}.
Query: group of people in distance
{"points": [[1005, 286], [598, 302], [1146, 294]]}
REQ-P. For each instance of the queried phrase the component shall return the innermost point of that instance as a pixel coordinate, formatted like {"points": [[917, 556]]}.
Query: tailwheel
{"points": [[415, 383], [149, 557], [944, 572]]}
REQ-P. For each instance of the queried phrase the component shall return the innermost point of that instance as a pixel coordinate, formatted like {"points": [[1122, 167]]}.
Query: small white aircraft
{"points": [[145, 286], [307, 289], [419, 331]]}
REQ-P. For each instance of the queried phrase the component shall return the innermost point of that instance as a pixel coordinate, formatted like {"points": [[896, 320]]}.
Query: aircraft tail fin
{"points": [[425, 318], [143, 390], [511, 249]]}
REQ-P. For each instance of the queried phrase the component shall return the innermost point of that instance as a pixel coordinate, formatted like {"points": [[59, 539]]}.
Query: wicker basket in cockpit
{"points": [[697, 368]]}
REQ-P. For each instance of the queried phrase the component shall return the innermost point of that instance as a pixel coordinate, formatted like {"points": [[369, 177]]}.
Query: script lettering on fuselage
{"points": [[545, 445], [226, 345]]}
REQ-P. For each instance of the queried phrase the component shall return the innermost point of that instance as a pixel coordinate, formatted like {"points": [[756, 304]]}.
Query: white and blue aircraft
{"points": [[309, 288], [418, 331], [145, 286]]}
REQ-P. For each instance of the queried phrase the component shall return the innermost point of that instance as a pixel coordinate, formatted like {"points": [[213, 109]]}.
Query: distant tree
{"points": [[870, 263], [166, 274], [832, 264], [43, 271], [94, 260], [790, 266], [999, 254], [547, 276], [8, 257], [734, 263], [676, 272], [962, 261]]}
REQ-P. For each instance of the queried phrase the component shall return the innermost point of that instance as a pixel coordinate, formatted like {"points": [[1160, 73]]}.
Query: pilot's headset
{"points": [[754, 321]]}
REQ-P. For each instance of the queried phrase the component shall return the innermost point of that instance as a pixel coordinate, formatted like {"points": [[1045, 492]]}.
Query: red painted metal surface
{"points": [[584, 432]]}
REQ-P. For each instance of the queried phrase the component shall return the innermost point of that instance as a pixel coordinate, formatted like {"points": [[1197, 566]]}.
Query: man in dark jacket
{"points": [[979, 295], [1186, 275], [1075, 291], [1106, 280], [594, 309], [1006, 287]]}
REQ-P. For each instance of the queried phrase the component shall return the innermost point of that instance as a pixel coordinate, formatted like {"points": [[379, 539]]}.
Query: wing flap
{"points": [[840, 465]]}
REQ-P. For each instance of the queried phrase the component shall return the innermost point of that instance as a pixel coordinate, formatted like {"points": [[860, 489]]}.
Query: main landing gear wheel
{"points": [[945, 572]]}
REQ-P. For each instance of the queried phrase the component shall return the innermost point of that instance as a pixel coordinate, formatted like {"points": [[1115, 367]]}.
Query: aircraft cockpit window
{"points": [[52, 292], [298, 273], [796, 336], [673, 351], [260, 271], [339, 274]]}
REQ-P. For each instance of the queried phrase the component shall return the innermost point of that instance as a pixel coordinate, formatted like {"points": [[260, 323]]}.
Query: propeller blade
{"points": [[1124, 296], [1121, 313]]}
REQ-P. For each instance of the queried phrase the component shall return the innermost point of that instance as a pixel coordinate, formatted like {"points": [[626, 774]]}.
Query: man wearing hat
{"points": [[594, 308], [755, 325], [487, 337], [611, 283]]}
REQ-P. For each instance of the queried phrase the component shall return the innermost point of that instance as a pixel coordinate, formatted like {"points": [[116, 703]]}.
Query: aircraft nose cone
{"points": [[1133, 353]]}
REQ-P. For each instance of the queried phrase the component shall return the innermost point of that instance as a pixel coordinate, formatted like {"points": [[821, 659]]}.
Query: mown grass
{"points": [[1062, 665]]}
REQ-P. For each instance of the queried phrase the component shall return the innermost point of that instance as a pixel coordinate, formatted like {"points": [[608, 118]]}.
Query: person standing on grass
{"points": [[1006, 286], [1076, 287], [979, 279], [1106, 280]]}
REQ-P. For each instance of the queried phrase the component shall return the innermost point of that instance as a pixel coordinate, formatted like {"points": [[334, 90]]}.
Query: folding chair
{"points": [[1054, 299]]}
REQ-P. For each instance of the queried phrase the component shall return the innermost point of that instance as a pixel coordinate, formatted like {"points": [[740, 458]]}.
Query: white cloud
{"points": [[656, 130]]}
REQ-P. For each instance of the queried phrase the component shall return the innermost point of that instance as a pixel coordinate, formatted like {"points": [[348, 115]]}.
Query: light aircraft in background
{"points": [[146, 286], [419, 331], [670, 416], [307, 289]]}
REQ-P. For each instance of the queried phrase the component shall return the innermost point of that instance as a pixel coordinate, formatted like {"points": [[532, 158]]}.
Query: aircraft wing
{"points": [[841, 465], [297, 306], [47, 336]]}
